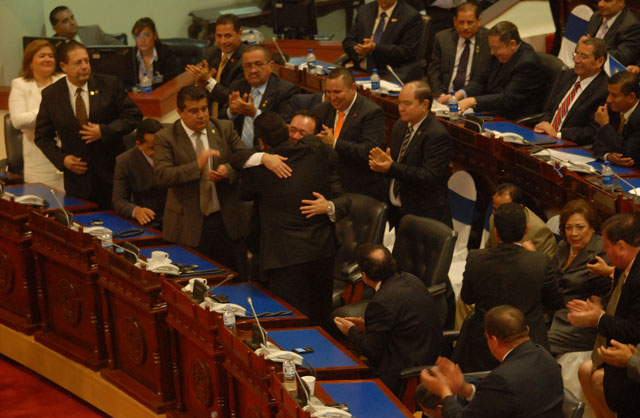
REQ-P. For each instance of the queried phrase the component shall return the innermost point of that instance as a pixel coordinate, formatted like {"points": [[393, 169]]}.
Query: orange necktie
{"points": [[339, 123]]}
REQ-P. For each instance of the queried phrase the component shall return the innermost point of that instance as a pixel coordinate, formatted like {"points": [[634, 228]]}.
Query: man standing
{"points": [[527, 383], [576, 95], [90, 113], [385, 32], [260, 90], [417, 161], [618, 138], [619, 28], [64, 25], [352, 125], [222, 63], [400, 328], [459, 54]]}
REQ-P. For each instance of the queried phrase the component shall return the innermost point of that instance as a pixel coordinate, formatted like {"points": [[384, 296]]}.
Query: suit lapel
{"points": [[65, 102], [215, 142], [390, 31], [266, 99], [451, 58], [350, 119], [611, 33], [94, 100], [184, 142]]}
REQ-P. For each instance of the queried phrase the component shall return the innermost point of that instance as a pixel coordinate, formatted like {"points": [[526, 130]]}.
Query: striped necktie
{"points": [[564, 108]]}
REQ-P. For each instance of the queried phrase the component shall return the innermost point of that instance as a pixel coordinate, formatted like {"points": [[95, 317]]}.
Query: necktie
{"points": [[603, 30], [403, 151], [206, 187], [601, 340], [461, 75], [564, 108], [247, 125], [378, 33], [81, 108], [339, 123], [621, 126], [223, 61]]}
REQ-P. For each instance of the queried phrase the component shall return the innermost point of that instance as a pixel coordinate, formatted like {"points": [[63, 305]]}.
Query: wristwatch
{"points": [[331, 209]]}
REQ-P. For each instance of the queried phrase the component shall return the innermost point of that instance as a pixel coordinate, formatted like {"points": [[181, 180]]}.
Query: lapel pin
{"points": [[394, 20], [264, 104], [354, 115], [213, 131], [93, 92]]}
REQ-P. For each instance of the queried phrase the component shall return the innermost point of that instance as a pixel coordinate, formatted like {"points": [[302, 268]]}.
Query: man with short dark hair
{"points": [[90, 113], [619, 28], [527, 382], [618, 136], [64, 25], [576, 95], [400, 328]]}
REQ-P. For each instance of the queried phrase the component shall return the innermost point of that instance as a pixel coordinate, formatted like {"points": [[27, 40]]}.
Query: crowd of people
{"points": [[251, 166]]}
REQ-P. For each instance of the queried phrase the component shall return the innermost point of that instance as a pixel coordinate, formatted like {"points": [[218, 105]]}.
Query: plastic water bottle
{"points": [[251, 39], [229, 320], [607, 177], [454, 113], [375, 82], [146, 83], [311, 62], [289, 372], [106, 238]]}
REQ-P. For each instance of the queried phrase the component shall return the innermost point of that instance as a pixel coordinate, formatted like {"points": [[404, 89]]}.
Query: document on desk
{"points": [[579, 162]]}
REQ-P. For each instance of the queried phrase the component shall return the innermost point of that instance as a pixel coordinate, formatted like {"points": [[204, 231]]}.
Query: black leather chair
{"points": [[122, 37], [14, 162], [186, 50]]}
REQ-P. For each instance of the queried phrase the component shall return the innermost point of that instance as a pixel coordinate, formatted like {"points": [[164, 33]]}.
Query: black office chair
{"points": [[122, 37], [14, 162], [186, 50]]}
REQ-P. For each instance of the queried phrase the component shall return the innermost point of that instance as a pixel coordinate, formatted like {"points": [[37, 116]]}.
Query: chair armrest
{"points": [[351, 274], [478, 375], [410, 372], [342, 60], [437, 289], [532, 120], [451, 335]]}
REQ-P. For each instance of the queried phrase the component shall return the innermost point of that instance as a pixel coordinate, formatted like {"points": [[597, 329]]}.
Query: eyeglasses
{"points": [[581, 56], [143, 35], [259, 65]]}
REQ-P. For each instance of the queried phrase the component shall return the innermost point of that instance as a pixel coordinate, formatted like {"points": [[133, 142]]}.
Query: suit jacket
{"points": [[109, 106], [512, 89], [134, 185], [231, 72], [93, 35], [538, 233], [622, 38], [166, 64], [362, 130], [277, 93], [423, 172], [282, 225], [402, 329], [633, 366], [627, 143], [400, 40], [578, 125], [443, 57], [506, 275], [176, 168], [527, 384]]}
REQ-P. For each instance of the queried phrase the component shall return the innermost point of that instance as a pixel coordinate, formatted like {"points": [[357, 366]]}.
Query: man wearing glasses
{"points": [[258, 92]]}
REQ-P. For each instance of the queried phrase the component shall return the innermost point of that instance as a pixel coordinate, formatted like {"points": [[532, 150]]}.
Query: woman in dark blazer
{"points": [[152, 56]]}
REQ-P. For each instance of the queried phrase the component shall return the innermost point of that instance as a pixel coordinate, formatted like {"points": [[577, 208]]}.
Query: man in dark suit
{"points": [[400, 328], [576, 95], [65, 26], [610, 388], [90, 113], [417, 162], [222, 63], [352, 125], [385, 32], [459, 54], [259, 91], [507, 274], [135, 191], [296, 250], [527, 383], [620, 29], [618, 136], [511, 83]]}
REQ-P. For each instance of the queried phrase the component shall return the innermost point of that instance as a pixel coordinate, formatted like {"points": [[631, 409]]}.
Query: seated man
{"points": [[385, 32], [400, 328], [577, 94], [64, 25], [618, 136], [459, 54], [135, 191], [526, 384], [619, 28], [511, 83]]}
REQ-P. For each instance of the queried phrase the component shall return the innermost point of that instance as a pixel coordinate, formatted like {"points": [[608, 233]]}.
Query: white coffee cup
{"points": [[311, 382], [159, 257], [319, 69]]}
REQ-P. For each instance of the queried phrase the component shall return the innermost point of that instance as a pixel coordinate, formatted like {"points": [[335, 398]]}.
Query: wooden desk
{"points": [[163, 99], [119, 225], [207, 268], [328, 51]]}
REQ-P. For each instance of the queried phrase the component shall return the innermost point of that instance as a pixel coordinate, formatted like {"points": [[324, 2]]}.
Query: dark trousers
{"points": [[216, 243], [307, 287]]}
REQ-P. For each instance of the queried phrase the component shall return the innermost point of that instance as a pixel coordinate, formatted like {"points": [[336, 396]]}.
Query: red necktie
{"points": [[564, 109]]}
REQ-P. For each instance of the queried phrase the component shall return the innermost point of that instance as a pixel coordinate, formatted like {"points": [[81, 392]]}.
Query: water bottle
{"points": [[251, 39], [607, 177], [375, 82], [146, 83], [106, 238], [454, 113], [229, 320], [311, 62], [289, 372]]}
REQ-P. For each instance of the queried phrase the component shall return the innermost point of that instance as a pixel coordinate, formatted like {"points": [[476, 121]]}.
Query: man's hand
{"points": [[276, 163], [143, 215], [380, 161], [617, 354], [633, 69], [365, 47], [357, 321], [585, 313], [75, 164], [452, 373], [602, 116], [204, 156], [444, 99], [318, 206], [435, 382], [200, 72], [218, 174], [468, 103], [90, 132], [617, 159], [241, 105], [326, 135], [528, 245], [343, 324], [545, 128], [600, 267]]}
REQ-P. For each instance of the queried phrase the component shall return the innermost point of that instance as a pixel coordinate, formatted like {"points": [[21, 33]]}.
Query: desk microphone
{"points": [[229, 277], [61, 211], [275, 41], [636, 198], [263, 333], [393, 73]]}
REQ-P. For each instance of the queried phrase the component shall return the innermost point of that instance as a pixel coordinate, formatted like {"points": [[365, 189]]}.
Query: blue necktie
{"points": [[247, 126], [378, 33]]}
